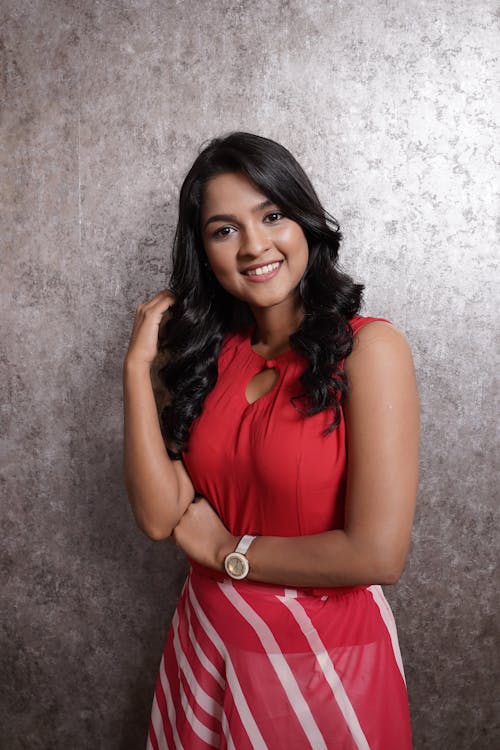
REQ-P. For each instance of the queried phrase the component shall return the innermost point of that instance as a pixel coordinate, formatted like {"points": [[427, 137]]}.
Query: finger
{"points": [[162, 300], [154, 311], [159, 299]]}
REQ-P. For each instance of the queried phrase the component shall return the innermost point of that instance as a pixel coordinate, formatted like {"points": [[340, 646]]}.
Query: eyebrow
{"points": [[230, 217]]}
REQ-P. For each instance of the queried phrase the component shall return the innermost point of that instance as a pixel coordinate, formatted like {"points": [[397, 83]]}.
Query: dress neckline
{"points": [[268, 361]]}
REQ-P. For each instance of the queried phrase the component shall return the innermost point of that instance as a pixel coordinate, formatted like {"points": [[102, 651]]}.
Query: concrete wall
{"points": [[390, 106]]}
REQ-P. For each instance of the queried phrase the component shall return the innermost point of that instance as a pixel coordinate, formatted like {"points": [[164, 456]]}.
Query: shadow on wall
{"points": [[134, 583]]}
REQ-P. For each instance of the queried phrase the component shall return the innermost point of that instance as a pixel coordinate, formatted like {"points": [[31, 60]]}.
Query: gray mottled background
{"points": [[391, 107]]}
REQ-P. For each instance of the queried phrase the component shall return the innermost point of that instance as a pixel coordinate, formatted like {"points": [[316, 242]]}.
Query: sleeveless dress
{"points": [[254, 665]]}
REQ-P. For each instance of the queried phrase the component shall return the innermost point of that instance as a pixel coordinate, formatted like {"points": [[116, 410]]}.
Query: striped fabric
{"points": [[249, 665]]}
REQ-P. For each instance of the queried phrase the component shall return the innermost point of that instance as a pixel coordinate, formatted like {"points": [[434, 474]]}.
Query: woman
{"points": [[282, 637]]}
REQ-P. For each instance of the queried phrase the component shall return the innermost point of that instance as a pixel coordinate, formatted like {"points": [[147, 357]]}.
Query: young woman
{"points": [[290, 475]]}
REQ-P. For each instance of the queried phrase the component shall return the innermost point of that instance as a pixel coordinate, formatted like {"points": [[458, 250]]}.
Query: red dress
{"points": [[251, 665]]}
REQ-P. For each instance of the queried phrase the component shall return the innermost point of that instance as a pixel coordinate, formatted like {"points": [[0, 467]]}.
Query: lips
{"points": [[263, 269], [260, 274]]}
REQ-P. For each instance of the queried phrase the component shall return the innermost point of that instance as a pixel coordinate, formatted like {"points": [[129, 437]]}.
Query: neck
{"points": [[274, 326]]}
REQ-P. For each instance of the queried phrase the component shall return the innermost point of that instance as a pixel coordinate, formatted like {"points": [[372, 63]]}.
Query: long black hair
{"points": [[204, 313]]}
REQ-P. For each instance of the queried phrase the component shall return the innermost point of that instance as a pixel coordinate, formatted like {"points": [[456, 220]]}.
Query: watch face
{"points": [[236, 565]]}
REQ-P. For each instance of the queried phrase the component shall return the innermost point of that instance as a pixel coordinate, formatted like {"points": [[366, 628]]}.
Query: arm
{"points": [[159, 489], [382, 418]]}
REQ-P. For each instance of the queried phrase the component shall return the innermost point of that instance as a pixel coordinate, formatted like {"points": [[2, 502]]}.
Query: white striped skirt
{"points": [[248, 665]]}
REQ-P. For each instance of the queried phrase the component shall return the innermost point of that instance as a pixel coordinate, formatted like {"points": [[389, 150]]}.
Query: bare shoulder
{"points": [[379, 331], [380, 368], [376, 343]]}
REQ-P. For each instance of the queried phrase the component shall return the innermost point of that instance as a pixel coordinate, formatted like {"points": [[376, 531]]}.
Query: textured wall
{"points": [[390, 106]]}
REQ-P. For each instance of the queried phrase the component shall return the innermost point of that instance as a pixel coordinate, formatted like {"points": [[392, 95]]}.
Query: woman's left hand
{"points": [[203, 536]]}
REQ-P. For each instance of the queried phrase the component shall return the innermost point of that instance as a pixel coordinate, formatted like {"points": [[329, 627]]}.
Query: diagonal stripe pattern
{"points": [[249, 666]]}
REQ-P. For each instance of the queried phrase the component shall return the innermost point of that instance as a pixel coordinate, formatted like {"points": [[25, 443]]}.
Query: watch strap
{"points": [[244, 543]]}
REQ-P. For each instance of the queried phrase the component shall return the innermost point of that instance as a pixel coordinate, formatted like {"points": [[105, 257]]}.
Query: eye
{"points": [[222, 232], [274, 216]]}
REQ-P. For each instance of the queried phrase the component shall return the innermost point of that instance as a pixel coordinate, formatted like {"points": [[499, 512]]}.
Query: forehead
{"points": [[228, 193]]}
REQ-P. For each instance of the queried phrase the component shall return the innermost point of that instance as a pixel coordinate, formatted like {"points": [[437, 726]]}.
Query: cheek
{"points": [[294, 238], [215, 258], [220, 265], [223, 269], [301, 248]]}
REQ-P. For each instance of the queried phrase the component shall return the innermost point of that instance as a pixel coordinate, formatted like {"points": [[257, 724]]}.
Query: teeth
{"points": [[263, 269]]}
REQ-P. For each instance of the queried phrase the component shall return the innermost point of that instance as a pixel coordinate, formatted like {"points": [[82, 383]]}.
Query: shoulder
{"points": [[379, 349], [382, 401], [382, 394], [358, 322]]}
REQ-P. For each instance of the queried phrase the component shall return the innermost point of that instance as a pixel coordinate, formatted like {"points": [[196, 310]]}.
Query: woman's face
{"points": [[256, 253]]}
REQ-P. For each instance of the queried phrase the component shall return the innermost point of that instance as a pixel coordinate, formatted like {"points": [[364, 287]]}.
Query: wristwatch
{"points": [[236, 564]]}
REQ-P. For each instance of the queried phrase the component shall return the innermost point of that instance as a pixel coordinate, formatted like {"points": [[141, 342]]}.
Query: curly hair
{"points": [[204, 313]]}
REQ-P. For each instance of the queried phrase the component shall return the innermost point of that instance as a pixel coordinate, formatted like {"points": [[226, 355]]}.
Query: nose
{"points": [[254, 241]]}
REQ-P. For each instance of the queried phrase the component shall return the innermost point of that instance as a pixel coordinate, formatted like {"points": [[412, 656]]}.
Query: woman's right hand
{"points": [[143, 345]]}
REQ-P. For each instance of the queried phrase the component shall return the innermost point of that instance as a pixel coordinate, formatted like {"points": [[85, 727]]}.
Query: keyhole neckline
{"points": [[273, 361]]}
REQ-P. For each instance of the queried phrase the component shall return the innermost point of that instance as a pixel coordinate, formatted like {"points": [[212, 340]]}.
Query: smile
{"points": [[262, 273]]}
